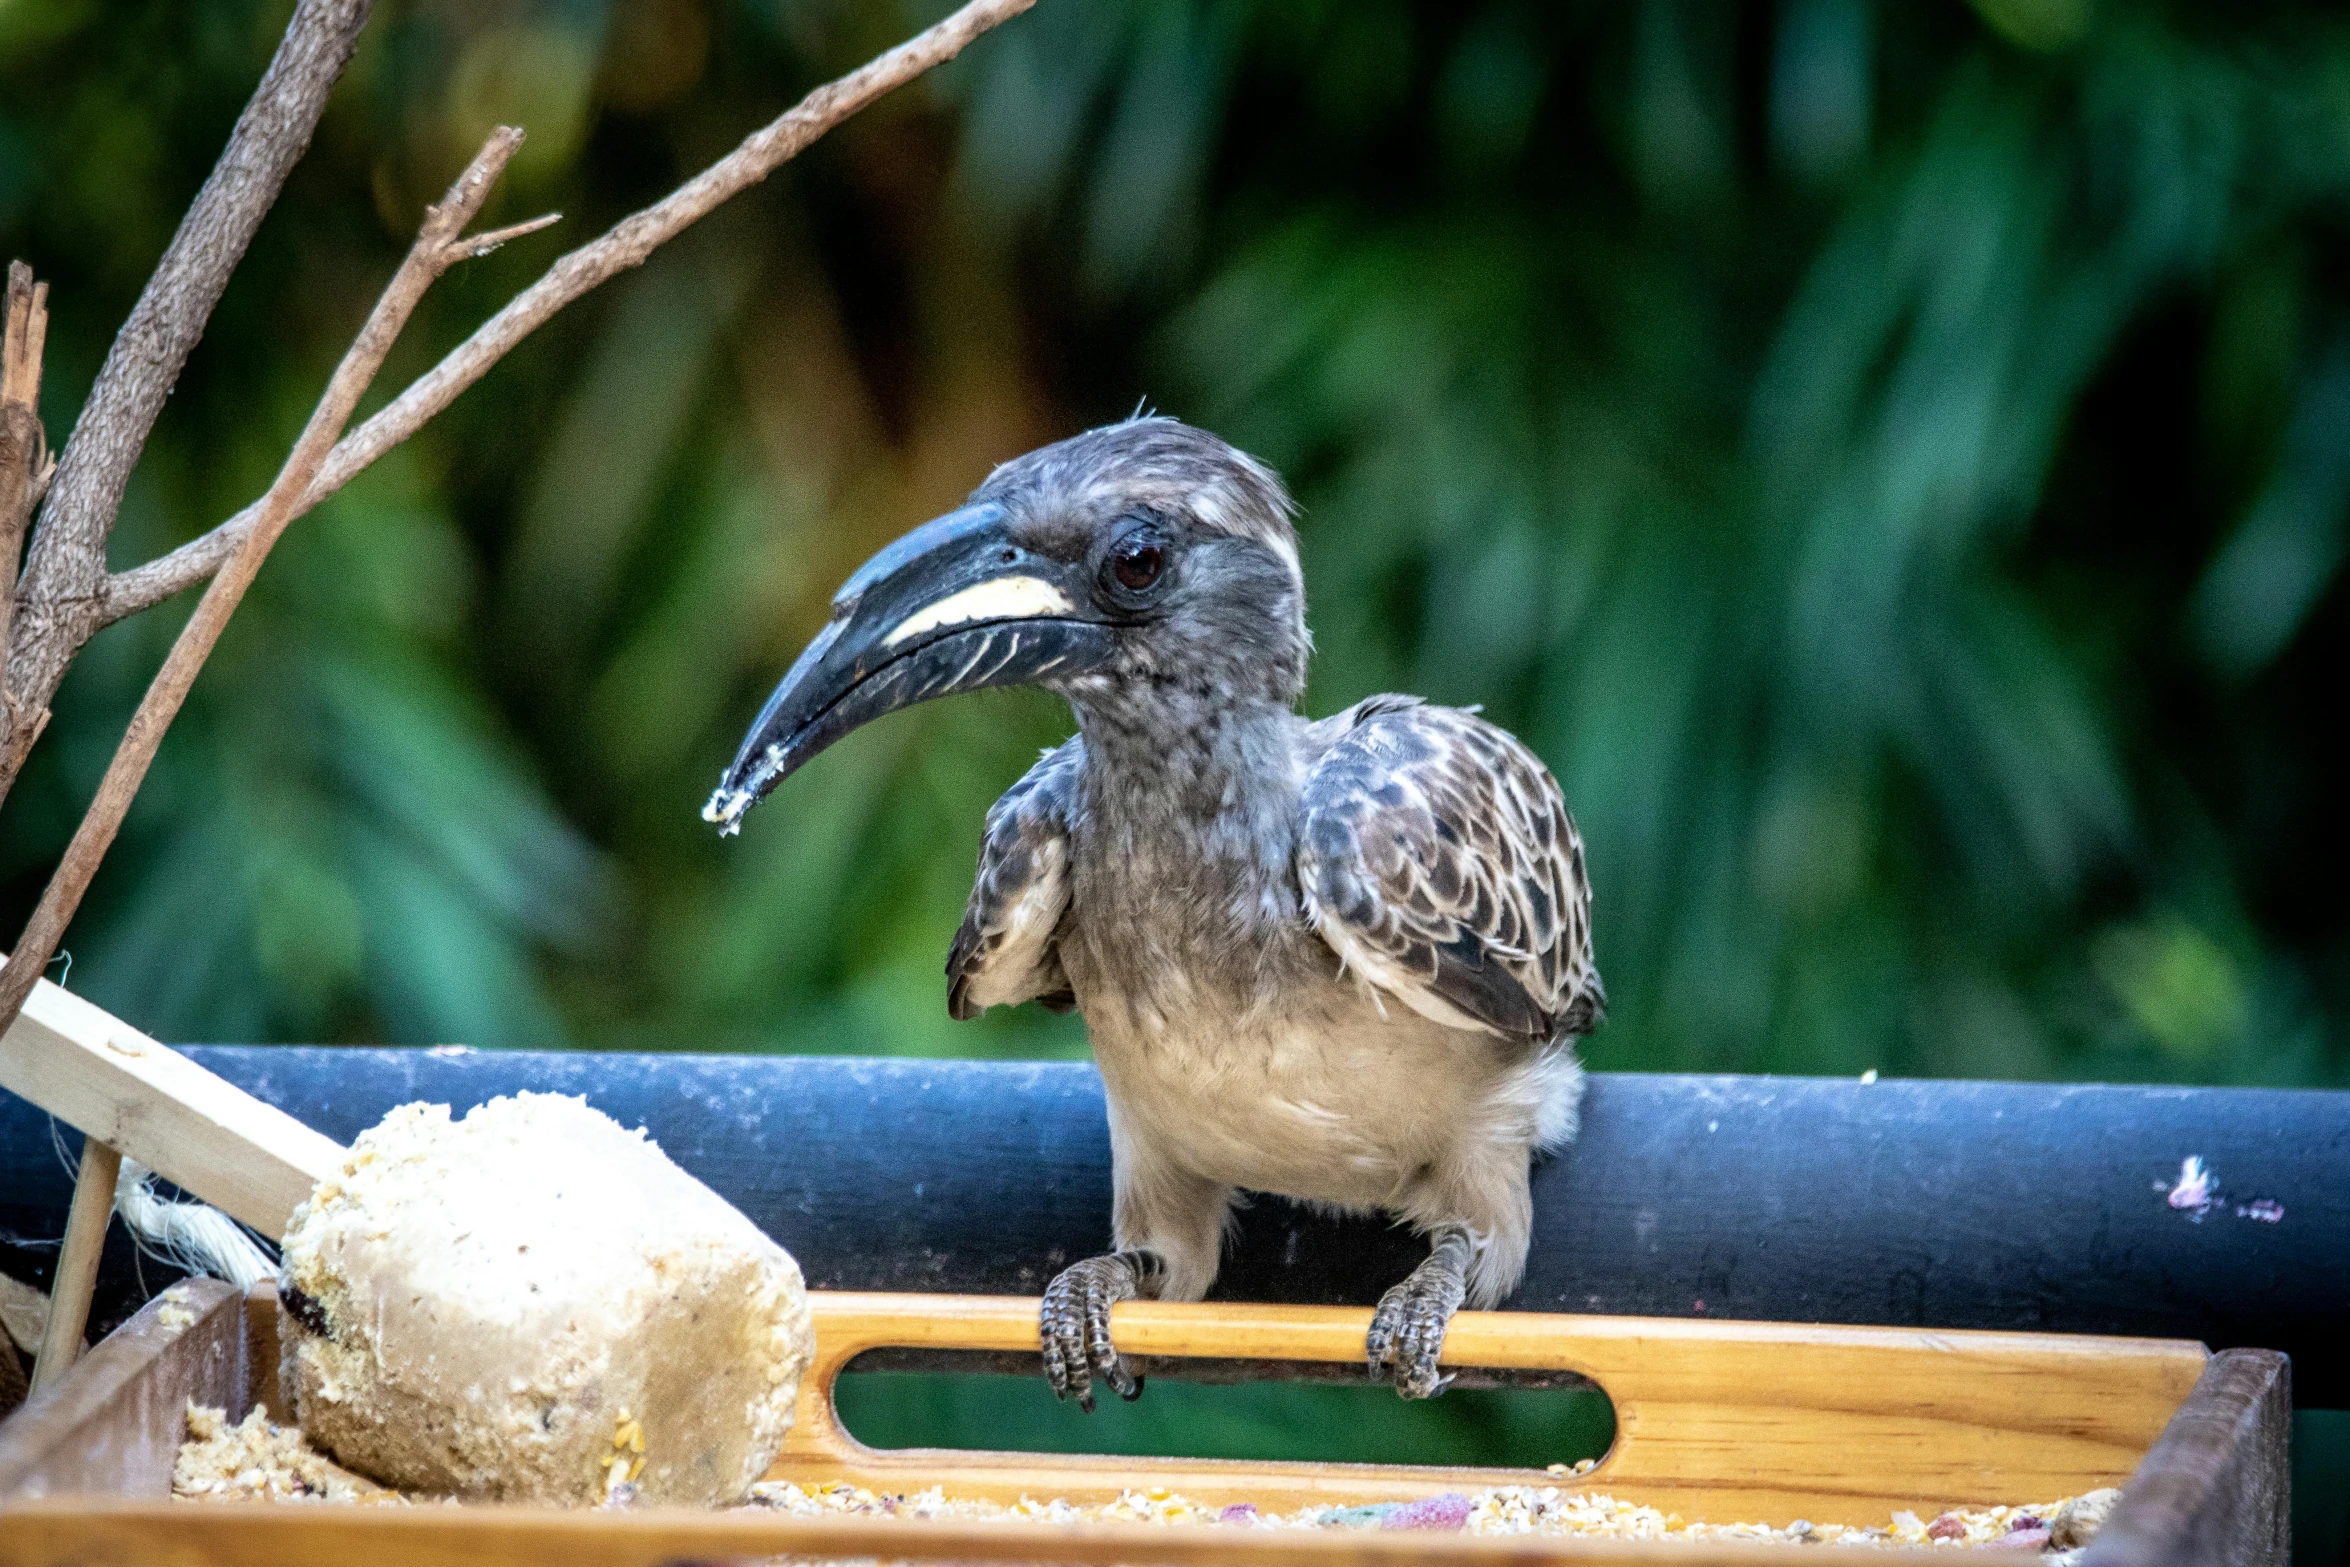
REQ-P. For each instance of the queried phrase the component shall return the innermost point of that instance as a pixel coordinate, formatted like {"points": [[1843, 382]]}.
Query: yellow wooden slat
{"points": [[163, 1534], [1725, 1421]]}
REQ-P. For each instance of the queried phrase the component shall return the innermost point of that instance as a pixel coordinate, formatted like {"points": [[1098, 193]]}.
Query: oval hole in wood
{"points": [[1263, 1411]]}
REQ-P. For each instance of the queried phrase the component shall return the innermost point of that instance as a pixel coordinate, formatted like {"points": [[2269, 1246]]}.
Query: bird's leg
{"points": [[1076, 1322], [1407, 1331]]}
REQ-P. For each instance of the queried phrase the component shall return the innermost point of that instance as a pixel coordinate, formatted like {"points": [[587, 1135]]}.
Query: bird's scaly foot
{"points": [[1075, 1323], [1407, 1331]]}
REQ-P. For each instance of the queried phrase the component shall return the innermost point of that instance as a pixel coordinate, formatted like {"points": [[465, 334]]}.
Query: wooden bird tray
{"points": [[1725, 1421]]}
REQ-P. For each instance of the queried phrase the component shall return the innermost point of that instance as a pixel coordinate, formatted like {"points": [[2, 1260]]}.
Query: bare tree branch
{"points": [[24, 447], [625, 245], [440, 243], [65, 574], [25, 470]]}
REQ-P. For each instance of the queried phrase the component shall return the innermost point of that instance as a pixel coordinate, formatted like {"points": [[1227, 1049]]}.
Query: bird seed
{"points": [[255, 1461]]}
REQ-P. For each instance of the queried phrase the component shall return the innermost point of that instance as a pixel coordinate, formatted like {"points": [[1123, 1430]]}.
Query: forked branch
{"points": [[625, 245], [69, 555], [231, 554], [53, 606], [440, 243]]}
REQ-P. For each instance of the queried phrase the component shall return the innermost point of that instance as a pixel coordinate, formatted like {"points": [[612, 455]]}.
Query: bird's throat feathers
{"points": [[1195, 772]]}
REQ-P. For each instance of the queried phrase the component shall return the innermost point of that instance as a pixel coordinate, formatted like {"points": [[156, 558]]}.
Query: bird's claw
{"points": [[1407, 1331], [1075, 1327]]}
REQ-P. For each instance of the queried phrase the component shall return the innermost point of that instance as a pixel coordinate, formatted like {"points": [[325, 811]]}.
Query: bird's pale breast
{"points": [[1282, 1076]]}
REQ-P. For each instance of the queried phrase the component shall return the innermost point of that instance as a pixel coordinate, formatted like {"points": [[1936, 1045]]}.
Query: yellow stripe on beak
{"points": [[1003, 598]]}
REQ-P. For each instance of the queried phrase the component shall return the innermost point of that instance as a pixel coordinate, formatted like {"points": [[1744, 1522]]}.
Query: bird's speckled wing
{"points": [[1437, 858], [1006, 952]]}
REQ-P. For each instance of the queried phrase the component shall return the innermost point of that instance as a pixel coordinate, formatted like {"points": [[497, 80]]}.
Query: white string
{"points": [[192, 1236]]}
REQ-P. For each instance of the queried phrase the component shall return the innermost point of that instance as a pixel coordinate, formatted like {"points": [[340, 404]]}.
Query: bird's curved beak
{"points": [[953, 606]]}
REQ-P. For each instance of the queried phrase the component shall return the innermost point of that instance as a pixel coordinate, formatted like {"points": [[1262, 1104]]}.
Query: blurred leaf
{"points": [[2038, 24], [2269, 576], [2180, 986]]}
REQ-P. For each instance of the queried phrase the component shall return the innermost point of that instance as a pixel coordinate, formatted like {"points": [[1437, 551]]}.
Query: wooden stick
{"points": [[439, 244], [93, 1071], [77, 1262], [625, 245]]}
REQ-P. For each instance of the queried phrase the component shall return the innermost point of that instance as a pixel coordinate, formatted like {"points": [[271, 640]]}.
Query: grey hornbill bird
{"points": [[1343, 961]]}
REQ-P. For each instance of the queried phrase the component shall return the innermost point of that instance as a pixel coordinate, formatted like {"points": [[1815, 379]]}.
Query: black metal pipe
{"points": [[1941, 1204]]}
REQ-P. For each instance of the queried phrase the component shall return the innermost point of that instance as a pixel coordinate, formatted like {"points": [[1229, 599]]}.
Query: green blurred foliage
{"points": [[1359, 1423], [1890, 461]]}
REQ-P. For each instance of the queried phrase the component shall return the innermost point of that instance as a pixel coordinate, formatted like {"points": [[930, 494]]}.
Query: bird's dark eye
{"points": [[1137, 564]]}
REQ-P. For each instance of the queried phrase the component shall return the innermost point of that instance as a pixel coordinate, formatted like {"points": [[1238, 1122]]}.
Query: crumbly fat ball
{"points": [[535, 1304]]}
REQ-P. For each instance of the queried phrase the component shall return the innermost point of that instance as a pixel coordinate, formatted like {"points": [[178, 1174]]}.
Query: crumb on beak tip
{"points": [[725, 809]]}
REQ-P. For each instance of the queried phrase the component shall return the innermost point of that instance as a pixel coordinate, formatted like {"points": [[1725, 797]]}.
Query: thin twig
{"points": [[625, 245], [482, 244], [86, 1223], [440, 243]]}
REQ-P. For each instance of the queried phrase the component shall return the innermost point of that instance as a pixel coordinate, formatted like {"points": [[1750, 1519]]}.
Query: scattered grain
{"points": [[1511, 1510], [257, 1461]]}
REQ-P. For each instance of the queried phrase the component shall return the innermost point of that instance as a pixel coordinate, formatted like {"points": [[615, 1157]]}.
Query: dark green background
{"points": [[1890, 460]]}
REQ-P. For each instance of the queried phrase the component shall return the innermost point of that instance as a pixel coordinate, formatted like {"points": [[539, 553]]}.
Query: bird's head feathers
{"points": [[1140, 558]]}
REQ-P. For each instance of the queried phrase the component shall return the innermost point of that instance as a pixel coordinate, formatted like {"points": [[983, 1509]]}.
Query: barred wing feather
{"points": [[1438, 860], [1007, 950]]}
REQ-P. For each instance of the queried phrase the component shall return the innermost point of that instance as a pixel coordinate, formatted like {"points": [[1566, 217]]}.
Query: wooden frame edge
{"points": [[2215, 1490]]}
